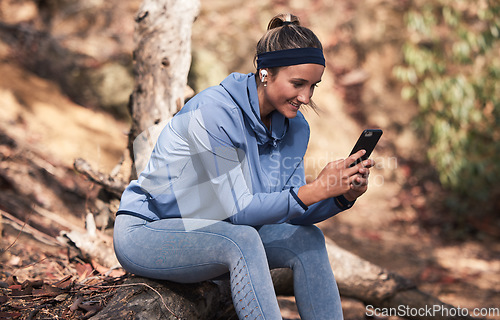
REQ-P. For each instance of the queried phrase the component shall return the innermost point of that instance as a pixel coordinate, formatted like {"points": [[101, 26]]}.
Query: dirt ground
{"points": [[395, 225]]}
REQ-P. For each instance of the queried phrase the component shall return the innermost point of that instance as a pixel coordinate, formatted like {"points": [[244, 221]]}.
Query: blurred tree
{"points": [[452, 69], [162, 59]]}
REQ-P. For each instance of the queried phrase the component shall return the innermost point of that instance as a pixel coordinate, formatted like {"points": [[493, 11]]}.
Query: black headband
{"points": [[290, 57]]}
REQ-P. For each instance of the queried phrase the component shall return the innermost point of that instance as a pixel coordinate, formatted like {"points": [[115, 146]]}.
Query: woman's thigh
{"points": [[181, 250]]}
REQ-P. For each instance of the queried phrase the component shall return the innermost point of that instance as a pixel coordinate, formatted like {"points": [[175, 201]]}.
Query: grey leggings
{"points": [[194, 250]]}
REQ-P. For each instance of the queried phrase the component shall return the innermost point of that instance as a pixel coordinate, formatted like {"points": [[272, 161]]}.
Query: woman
{"points": [[225, 191]]}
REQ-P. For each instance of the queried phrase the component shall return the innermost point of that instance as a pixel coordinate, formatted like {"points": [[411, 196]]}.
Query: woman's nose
{"points": [[305, 96]]}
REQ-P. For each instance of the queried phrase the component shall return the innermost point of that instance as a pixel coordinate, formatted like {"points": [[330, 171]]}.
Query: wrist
{"points": [[343, 202], [310, 193], [349, 197]]}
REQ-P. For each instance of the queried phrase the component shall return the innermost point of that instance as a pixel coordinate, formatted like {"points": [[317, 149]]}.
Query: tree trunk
{"points": [[162, 61]]}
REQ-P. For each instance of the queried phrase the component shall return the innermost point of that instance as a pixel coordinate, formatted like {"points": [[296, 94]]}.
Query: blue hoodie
{"points": [[216, 160]]}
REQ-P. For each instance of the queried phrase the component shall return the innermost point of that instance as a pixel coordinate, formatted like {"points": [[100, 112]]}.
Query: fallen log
{"points": [[141, 298], [375, 286], [356, 278], [109, 183], [91, 242]]}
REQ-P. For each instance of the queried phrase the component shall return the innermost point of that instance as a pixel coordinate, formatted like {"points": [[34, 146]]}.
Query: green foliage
{"points": [[452, 70]]}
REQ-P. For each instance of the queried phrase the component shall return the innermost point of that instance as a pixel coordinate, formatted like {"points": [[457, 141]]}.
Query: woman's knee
{"points": [[234, 241], [314, 233], [293, 238], [309, 238], [244, 235]]}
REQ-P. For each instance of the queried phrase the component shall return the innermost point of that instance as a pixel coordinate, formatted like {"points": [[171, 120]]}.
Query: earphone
{"points": [[263, 75]]}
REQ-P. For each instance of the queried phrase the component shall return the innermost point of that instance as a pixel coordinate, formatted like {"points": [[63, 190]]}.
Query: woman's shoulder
{"points": [[214, 98], [212, 109]]}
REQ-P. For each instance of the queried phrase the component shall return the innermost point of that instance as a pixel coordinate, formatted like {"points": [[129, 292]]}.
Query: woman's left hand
{"points": [[360, 183]]}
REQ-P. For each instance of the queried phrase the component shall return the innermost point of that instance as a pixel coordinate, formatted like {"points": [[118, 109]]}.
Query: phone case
{"points": [[367, 141]]}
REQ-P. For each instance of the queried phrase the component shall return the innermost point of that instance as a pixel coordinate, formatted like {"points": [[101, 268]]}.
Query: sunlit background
{"points": [[426, 72]]}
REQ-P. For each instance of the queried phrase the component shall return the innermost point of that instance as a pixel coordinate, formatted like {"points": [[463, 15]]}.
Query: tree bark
{"points": [[141, 298], [162, 60]]}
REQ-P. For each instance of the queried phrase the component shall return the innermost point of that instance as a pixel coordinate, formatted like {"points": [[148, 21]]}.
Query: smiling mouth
{"points": [[295, 105]]}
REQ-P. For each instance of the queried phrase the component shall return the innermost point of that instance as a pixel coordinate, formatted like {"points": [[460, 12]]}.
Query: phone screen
{"points": [[367, 141]]}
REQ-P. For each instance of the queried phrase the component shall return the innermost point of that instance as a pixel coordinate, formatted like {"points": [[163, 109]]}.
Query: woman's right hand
{"points": [[335, 179]]}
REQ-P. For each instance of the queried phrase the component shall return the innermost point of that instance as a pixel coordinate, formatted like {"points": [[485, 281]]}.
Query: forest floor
{"points": [[395, 225]]}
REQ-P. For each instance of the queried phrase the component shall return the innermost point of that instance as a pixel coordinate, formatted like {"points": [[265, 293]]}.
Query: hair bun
{"points": [[283, 19]]}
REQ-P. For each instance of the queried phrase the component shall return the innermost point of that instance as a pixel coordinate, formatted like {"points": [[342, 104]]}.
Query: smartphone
{"points": [[367, 141]]}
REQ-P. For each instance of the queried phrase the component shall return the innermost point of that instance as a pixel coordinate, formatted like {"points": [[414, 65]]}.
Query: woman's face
{"points": [[290, 88]]}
